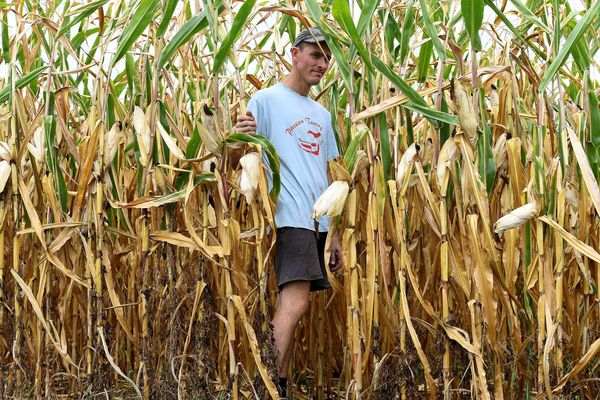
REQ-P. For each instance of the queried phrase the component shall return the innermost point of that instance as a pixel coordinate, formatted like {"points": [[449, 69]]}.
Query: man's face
{"points": [[311, 61]]}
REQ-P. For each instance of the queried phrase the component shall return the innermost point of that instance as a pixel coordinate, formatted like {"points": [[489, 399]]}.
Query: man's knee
{"points": [[294, 298]]}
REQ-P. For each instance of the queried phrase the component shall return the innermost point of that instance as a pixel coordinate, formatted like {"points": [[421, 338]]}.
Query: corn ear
{"points": [[362, 162], [209, 131], [142, 131], [331, 201], [500, 155], [448, 153], [406, 163], [113, 140], [516, 217], [465, 110]]}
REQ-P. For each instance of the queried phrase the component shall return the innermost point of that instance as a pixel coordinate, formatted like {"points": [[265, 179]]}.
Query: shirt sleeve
{"points": [[256, 107]]}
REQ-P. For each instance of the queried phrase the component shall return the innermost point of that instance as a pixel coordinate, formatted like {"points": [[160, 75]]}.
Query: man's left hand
{"points": [[336, 260]]}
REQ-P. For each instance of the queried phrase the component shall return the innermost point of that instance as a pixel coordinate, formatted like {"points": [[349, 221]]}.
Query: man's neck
{"points": [[297, 85]]}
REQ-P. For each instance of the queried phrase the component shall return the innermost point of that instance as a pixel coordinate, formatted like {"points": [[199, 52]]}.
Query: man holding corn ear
{"points": [[301, 131]]}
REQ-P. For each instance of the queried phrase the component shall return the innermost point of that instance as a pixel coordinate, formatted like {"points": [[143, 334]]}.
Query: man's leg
{"points": [[292, 305]]}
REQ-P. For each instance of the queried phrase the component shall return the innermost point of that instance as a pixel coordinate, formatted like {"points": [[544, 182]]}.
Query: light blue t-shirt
{"points": [[301, 131]]}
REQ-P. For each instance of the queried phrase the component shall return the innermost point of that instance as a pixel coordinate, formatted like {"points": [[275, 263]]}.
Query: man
{"points": [[301, 131]]}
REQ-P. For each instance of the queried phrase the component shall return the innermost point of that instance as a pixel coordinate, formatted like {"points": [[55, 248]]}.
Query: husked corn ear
{"points": [[250, 175], [465, 110], [37, 147], [5, 153], [448, 153], [406, 163], [4, 174], [516, 217], [170, 142], [331, 201], [142, 132]]}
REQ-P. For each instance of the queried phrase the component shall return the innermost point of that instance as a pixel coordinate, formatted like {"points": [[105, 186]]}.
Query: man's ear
{"points": [[294, 51]]}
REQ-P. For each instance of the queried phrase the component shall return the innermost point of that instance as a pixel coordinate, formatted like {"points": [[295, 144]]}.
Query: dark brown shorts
{"points": [[299, 256]]}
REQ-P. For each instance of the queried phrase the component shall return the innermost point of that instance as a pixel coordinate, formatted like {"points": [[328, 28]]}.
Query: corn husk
{"points": [[5, 153], [112, 142], [170, 142], [36, 147], [142, 131], [448, 153], [516, 217], [250, 175], [331, 201], [500, 155], [572, 197], [405, 164], [465, 111], [362, 162], [4, 174], [209, 131]]}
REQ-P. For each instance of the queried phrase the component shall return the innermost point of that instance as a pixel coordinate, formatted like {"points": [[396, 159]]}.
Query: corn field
{"points": [[133, 266]]}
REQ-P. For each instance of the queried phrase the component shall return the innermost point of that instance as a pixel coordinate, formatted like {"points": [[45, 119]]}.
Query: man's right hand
{"points": [[246, 124]]}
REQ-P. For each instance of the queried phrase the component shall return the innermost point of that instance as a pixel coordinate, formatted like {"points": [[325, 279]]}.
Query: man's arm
{"points": [[336, 260]]}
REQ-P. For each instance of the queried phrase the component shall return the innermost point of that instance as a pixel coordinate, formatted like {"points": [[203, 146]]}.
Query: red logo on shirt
{"points": [[308, 133]]}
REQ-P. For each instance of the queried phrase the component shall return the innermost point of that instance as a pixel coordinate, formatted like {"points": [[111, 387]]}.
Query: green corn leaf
{"points": [[565, 49], [408, 28], [391, 33], [341, 59], [164, 23], [5, 39], [236, 29], [52, 158], [352, 149], [581, 55], [416, 102], [142, 17], [504, 18], [384, 140], [83, 12], [425, 53], [432, 32], [80, 37], [487, 166], [269, 151], [132, 82], [594, 118], [472, 11], [189, 29], [366, 14], [191, 150], [529, 16], [431, 114], [341, 13], [21, 83]]}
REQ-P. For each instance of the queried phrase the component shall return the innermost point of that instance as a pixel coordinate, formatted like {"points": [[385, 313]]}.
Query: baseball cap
{"points": [[310, 35]]}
